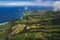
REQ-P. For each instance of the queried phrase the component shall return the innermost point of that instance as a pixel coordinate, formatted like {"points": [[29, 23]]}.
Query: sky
{"points": [[48, 3], [14, 3], [25, 2], [10, 2], [29, 0], [16, 0]]}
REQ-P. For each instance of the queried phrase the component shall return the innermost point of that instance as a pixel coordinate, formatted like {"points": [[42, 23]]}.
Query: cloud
{"points": [[17, 4], [24, 4], [56, 6], [26, 8], [46, 0], [38, 0]]}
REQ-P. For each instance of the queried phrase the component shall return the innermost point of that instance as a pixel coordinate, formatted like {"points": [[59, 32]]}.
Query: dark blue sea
{"points": [[8, 14]]}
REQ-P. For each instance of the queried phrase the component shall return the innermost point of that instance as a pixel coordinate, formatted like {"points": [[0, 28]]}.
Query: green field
{"points": [[35, 25]]}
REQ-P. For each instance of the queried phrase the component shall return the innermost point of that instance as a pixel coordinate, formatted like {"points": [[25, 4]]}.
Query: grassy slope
{"points": [[42, 20]]}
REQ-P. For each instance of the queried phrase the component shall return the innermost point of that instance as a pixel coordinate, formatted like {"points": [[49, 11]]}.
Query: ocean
{"points": [[8, 14]]}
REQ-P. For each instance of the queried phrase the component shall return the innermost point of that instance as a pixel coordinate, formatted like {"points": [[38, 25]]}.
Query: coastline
{"points": [[4, 23]]}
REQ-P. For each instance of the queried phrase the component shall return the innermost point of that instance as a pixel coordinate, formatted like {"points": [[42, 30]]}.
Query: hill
{"points": [[35, 25]]}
